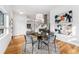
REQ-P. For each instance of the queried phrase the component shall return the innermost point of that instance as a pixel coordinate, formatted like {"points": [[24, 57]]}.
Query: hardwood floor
{"points": [[17, 42], [66, 48], [15, 46]]}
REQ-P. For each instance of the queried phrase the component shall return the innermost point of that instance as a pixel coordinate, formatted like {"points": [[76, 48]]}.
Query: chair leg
{"points": [[41, 44], [48, 48], [38, 44], [25, 44], [25, 48], [32, 47], [54, 45]]}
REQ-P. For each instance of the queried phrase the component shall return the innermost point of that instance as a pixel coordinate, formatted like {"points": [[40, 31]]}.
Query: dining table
{"points": [[41, 39]]}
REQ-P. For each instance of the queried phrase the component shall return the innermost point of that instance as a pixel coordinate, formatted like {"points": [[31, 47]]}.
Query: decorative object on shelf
{"points": [[63, 23], [11, 25], [40, 17]]}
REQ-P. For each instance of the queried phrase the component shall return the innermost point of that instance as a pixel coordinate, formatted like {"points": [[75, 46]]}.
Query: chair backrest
{"points": [[28, 38], [54, 36]]}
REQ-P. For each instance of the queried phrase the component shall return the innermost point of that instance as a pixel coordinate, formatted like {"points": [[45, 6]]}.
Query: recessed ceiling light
{"points": [[21, 12]]}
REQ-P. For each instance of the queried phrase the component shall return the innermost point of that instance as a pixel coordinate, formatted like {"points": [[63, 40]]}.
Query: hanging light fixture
{"points": [[40, 17]]}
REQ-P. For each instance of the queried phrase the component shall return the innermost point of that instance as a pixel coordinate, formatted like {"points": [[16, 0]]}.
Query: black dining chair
{"points": [[55, 43]]}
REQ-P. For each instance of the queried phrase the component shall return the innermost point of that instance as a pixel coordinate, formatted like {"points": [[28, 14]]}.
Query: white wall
{"points": [[30, 21], [19, 28], [19, 25], [5, 38], [62, 9]]}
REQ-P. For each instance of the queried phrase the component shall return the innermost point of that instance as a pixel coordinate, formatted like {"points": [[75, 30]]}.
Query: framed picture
{"points": [[63, 23]]}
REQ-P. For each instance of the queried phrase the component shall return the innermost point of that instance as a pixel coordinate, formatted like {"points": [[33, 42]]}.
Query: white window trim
{"points": [[6, 22]]}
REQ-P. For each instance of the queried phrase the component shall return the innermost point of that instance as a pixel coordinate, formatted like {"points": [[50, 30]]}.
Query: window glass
{"points": [[1, 31], [1, 22], [1, 19]]}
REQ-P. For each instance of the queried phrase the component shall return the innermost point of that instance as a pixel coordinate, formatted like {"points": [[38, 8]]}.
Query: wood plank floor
{"points": [[17, 42], [15, 46], [66, 48]]}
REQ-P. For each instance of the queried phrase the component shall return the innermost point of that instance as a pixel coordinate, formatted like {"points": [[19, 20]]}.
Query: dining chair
{"points": [[33, 42], [55, 43], [52, 38]]}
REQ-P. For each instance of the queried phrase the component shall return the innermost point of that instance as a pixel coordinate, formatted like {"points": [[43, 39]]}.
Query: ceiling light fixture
{"points": [[21, 12]]}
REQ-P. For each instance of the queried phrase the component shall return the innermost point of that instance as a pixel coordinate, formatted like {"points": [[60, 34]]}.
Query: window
{"points": [[1, 31], [29, 26], [1, 22], [1, 19]]}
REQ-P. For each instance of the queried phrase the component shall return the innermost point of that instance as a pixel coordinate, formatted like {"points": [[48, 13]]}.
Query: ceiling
{"points": [[32, 10]]}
